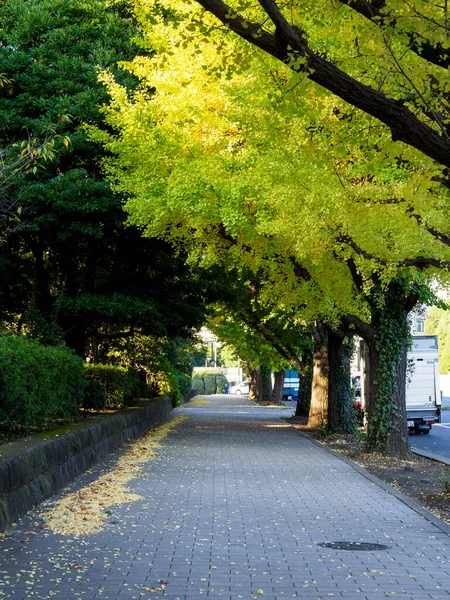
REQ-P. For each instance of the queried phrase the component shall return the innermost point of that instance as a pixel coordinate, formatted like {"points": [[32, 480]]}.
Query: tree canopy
{"points": [[224, 154], [74, 269], [438, 322], [244, 160]]}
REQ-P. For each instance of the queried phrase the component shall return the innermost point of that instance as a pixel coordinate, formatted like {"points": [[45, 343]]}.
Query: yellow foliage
{"points": [[228, 153], [84, 512]]}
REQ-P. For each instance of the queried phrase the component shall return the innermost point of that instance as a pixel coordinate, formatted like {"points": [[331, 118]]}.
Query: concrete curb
{"points": [[441, 525], [34, 469], [431, 456]]}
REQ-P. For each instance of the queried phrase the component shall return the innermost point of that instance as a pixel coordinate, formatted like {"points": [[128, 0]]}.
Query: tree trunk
{"points": [[396, 441], [387, 338], [266, 383], [277, 392], [253, 384], [305, 384], [340, 418], [318, 411], [75, 334], [372, 384]]}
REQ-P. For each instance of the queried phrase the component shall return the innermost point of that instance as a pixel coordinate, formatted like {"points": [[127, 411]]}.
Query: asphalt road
{"points": [[438, 440]]}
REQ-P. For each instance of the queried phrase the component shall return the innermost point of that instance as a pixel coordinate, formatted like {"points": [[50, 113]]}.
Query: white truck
{"points": [[423, 395]]}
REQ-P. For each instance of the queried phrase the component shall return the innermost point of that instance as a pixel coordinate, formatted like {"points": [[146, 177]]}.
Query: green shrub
{"points": [[166, 380], [209, 381], [184, 382], [39, 385], [122, 385], [95, 396]]}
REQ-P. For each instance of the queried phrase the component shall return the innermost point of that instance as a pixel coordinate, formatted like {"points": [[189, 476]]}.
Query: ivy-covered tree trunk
{"points": [[266, 383], [277, 392], [340, 418], [386, 405], [305, 383], [318, 411]]}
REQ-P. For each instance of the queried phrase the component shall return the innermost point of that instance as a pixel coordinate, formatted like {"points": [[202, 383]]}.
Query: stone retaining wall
{"points": [[189, 396], [33, 469]]}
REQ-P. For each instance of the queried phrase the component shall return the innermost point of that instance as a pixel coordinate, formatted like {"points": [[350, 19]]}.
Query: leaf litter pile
{"points": [[85, 511], [199, 401]]}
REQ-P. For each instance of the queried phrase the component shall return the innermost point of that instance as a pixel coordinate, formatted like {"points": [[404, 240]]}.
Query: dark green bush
{"points": [[184, 382], [95, 396], [209, 381], [122, 385], [39, 385]]}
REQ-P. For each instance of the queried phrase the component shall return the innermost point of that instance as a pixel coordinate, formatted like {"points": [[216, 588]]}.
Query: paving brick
{"points": [[232, 504]]}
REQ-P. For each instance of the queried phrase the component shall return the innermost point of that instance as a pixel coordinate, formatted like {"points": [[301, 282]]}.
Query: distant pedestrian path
{"points": [[236, 504]]}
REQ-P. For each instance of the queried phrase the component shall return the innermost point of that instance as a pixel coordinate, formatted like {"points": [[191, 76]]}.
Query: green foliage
{"points": [[39, 385], [70, 270], [438, 322], [198, 357], [250, 330], [122, 385], [184, 382], [227, 356], [166, 363], [209, 381], [166, 380], [95, 395]]}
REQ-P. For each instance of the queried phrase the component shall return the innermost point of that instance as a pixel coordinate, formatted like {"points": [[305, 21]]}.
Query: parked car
{"points": [[240, 388]]}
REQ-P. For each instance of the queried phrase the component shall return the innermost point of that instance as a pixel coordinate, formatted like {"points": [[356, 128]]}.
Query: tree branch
{"points": [[439, 235], [372, 11], [421, 262], [288, 42], [365, 330]]}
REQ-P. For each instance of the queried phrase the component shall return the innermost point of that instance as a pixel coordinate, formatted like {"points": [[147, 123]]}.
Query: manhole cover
{"points": [[354, 546]]}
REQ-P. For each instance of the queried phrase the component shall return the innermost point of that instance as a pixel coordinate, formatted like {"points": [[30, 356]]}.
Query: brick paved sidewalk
{"points": [[235, 506]]}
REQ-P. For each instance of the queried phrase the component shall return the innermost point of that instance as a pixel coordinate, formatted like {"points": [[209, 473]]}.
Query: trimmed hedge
{"points": [[122, 386], [39, 385], [209, 381]]}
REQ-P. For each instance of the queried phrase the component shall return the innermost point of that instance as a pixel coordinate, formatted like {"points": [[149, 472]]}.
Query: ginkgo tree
{"points": [[266, 339], [386, 60], [219, 152]]}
